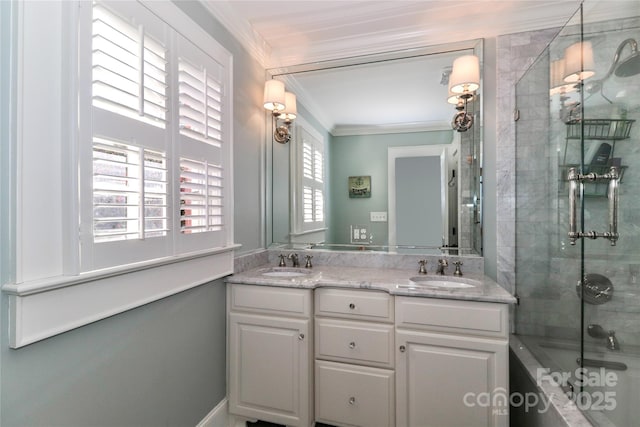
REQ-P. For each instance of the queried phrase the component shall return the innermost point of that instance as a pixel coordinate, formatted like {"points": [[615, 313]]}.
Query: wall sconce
{"points": [[464, 80], [578, 62], [282, 106]]}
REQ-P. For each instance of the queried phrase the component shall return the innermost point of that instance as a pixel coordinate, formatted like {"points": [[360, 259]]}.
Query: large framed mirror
{"points": [[373, 162]]}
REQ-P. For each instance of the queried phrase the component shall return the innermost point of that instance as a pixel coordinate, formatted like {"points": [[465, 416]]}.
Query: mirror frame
{"points": [[477, 45]]}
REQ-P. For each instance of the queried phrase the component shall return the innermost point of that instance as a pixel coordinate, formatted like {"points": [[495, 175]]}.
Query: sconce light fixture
{"points": [[463, 82], [283, 107]]}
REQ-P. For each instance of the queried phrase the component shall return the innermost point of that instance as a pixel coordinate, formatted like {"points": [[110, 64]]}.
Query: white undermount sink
{"points": [[418, 282], [286, 272]]}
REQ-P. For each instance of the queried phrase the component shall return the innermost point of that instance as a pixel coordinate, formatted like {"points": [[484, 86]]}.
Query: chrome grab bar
{"points": [[612, 194], [572, 176]]}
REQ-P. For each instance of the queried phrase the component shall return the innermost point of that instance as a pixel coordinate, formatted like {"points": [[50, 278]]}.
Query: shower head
{"points": [[630, 66]]}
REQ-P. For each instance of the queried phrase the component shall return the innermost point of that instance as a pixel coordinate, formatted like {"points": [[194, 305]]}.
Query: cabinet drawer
{"points": [[461, 317], [270, 300], [354, 395], [355, 342], [355, 304]]}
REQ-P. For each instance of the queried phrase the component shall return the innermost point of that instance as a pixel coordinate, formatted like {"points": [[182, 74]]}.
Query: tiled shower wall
{"points": [[515, 54]]}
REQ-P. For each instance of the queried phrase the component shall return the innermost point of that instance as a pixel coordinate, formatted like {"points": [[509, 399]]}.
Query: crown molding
{"points": [[241, 29]]}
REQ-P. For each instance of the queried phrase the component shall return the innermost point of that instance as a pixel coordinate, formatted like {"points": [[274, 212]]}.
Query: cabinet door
{"points": [[450, 381], [269, 369]]}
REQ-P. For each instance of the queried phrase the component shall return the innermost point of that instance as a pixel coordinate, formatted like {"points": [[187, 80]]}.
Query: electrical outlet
{"points": [[378, 216], [359, 234]]}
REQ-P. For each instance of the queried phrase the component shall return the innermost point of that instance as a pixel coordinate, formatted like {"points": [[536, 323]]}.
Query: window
{"points": [[158, 172], [123, 174]]}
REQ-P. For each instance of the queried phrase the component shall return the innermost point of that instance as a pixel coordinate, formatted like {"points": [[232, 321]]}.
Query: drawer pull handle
{"points": [[301, 337], [352, 306], [352, 344], [402, 349], [352, 400]]}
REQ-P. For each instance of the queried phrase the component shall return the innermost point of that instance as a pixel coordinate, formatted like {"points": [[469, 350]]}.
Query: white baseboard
{"points": [[218, 417]]}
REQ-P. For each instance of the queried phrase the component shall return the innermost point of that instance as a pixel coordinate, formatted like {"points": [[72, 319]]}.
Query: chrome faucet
{"points": [[282, 263], [458, 271], [308, 263], [294, 259], [597, 331], [442, 265], [423, 266]]}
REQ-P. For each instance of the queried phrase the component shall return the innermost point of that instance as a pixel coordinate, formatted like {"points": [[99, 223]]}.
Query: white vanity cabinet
{"points": [[451, 360], [354, 350], [269, 353]]}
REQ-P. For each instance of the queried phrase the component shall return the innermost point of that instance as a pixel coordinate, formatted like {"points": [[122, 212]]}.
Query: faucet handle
{"points": [[423, 266], [282, 263], [308, 263], [458, 272]]}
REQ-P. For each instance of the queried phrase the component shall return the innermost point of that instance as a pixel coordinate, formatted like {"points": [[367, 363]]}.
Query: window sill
{"points": [[44, 308]]}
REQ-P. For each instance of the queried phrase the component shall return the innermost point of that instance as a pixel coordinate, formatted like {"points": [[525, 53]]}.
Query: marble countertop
{"points": [[393, 281]]}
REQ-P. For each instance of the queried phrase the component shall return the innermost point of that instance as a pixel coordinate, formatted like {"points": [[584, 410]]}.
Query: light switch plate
{"points": [[378, 216]]}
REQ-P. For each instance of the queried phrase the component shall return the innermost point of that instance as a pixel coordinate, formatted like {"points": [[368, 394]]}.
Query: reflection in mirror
{"points": [[354, 115]]}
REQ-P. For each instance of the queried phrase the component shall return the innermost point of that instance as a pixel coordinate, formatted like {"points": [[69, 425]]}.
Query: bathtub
{"points": [[609, 396]]}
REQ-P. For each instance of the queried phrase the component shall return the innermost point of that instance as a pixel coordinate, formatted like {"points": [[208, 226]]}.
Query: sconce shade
{"points": [[274, 99], [556, 78], [291, 109], [465, 76], [578, 62]]}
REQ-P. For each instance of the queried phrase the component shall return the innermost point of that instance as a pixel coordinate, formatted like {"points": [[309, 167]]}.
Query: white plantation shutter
{"points": [[201, 145], [200, 98], [200, 196], [129, 192], [129, 69]]}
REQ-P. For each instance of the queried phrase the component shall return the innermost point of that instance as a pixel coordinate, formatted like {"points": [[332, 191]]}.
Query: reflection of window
{"points": [[310, 181]]}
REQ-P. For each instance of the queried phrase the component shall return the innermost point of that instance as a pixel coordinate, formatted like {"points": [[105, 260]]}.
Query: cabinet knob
{"points": [[352, 344], [402, 349], [352, 306], [301, 337], [352, 400]]}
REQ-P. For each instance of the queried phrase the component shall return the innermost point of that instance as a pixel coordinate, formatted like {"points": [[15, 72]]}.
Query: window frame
{"points": [[64, 293]]}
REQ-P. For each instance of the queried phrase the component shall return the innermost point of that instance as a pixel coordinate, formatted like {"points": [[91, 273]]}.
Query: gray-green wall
{"points": [[162, 364], [366, 155]]}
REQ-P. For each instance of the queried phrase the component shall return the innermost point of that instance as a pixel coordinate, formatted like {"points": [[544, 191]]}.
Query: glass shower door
{"points": [[577, 219], [609, 137]]}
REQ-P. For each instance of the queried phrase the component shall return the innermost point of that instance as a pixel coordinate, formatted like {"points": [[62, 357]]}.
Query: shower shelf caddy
{"points": [[596, 129]]}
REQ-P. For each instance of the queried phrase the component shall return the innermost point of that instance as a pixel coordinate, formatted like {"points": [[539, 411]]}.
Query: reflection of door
{"points": [[418, 198], [418, 202]]}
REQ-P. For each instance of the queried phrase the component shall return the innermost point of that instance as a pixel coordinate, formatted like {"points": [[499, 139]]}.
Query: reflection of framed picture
{"points": [[359, 187]]}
